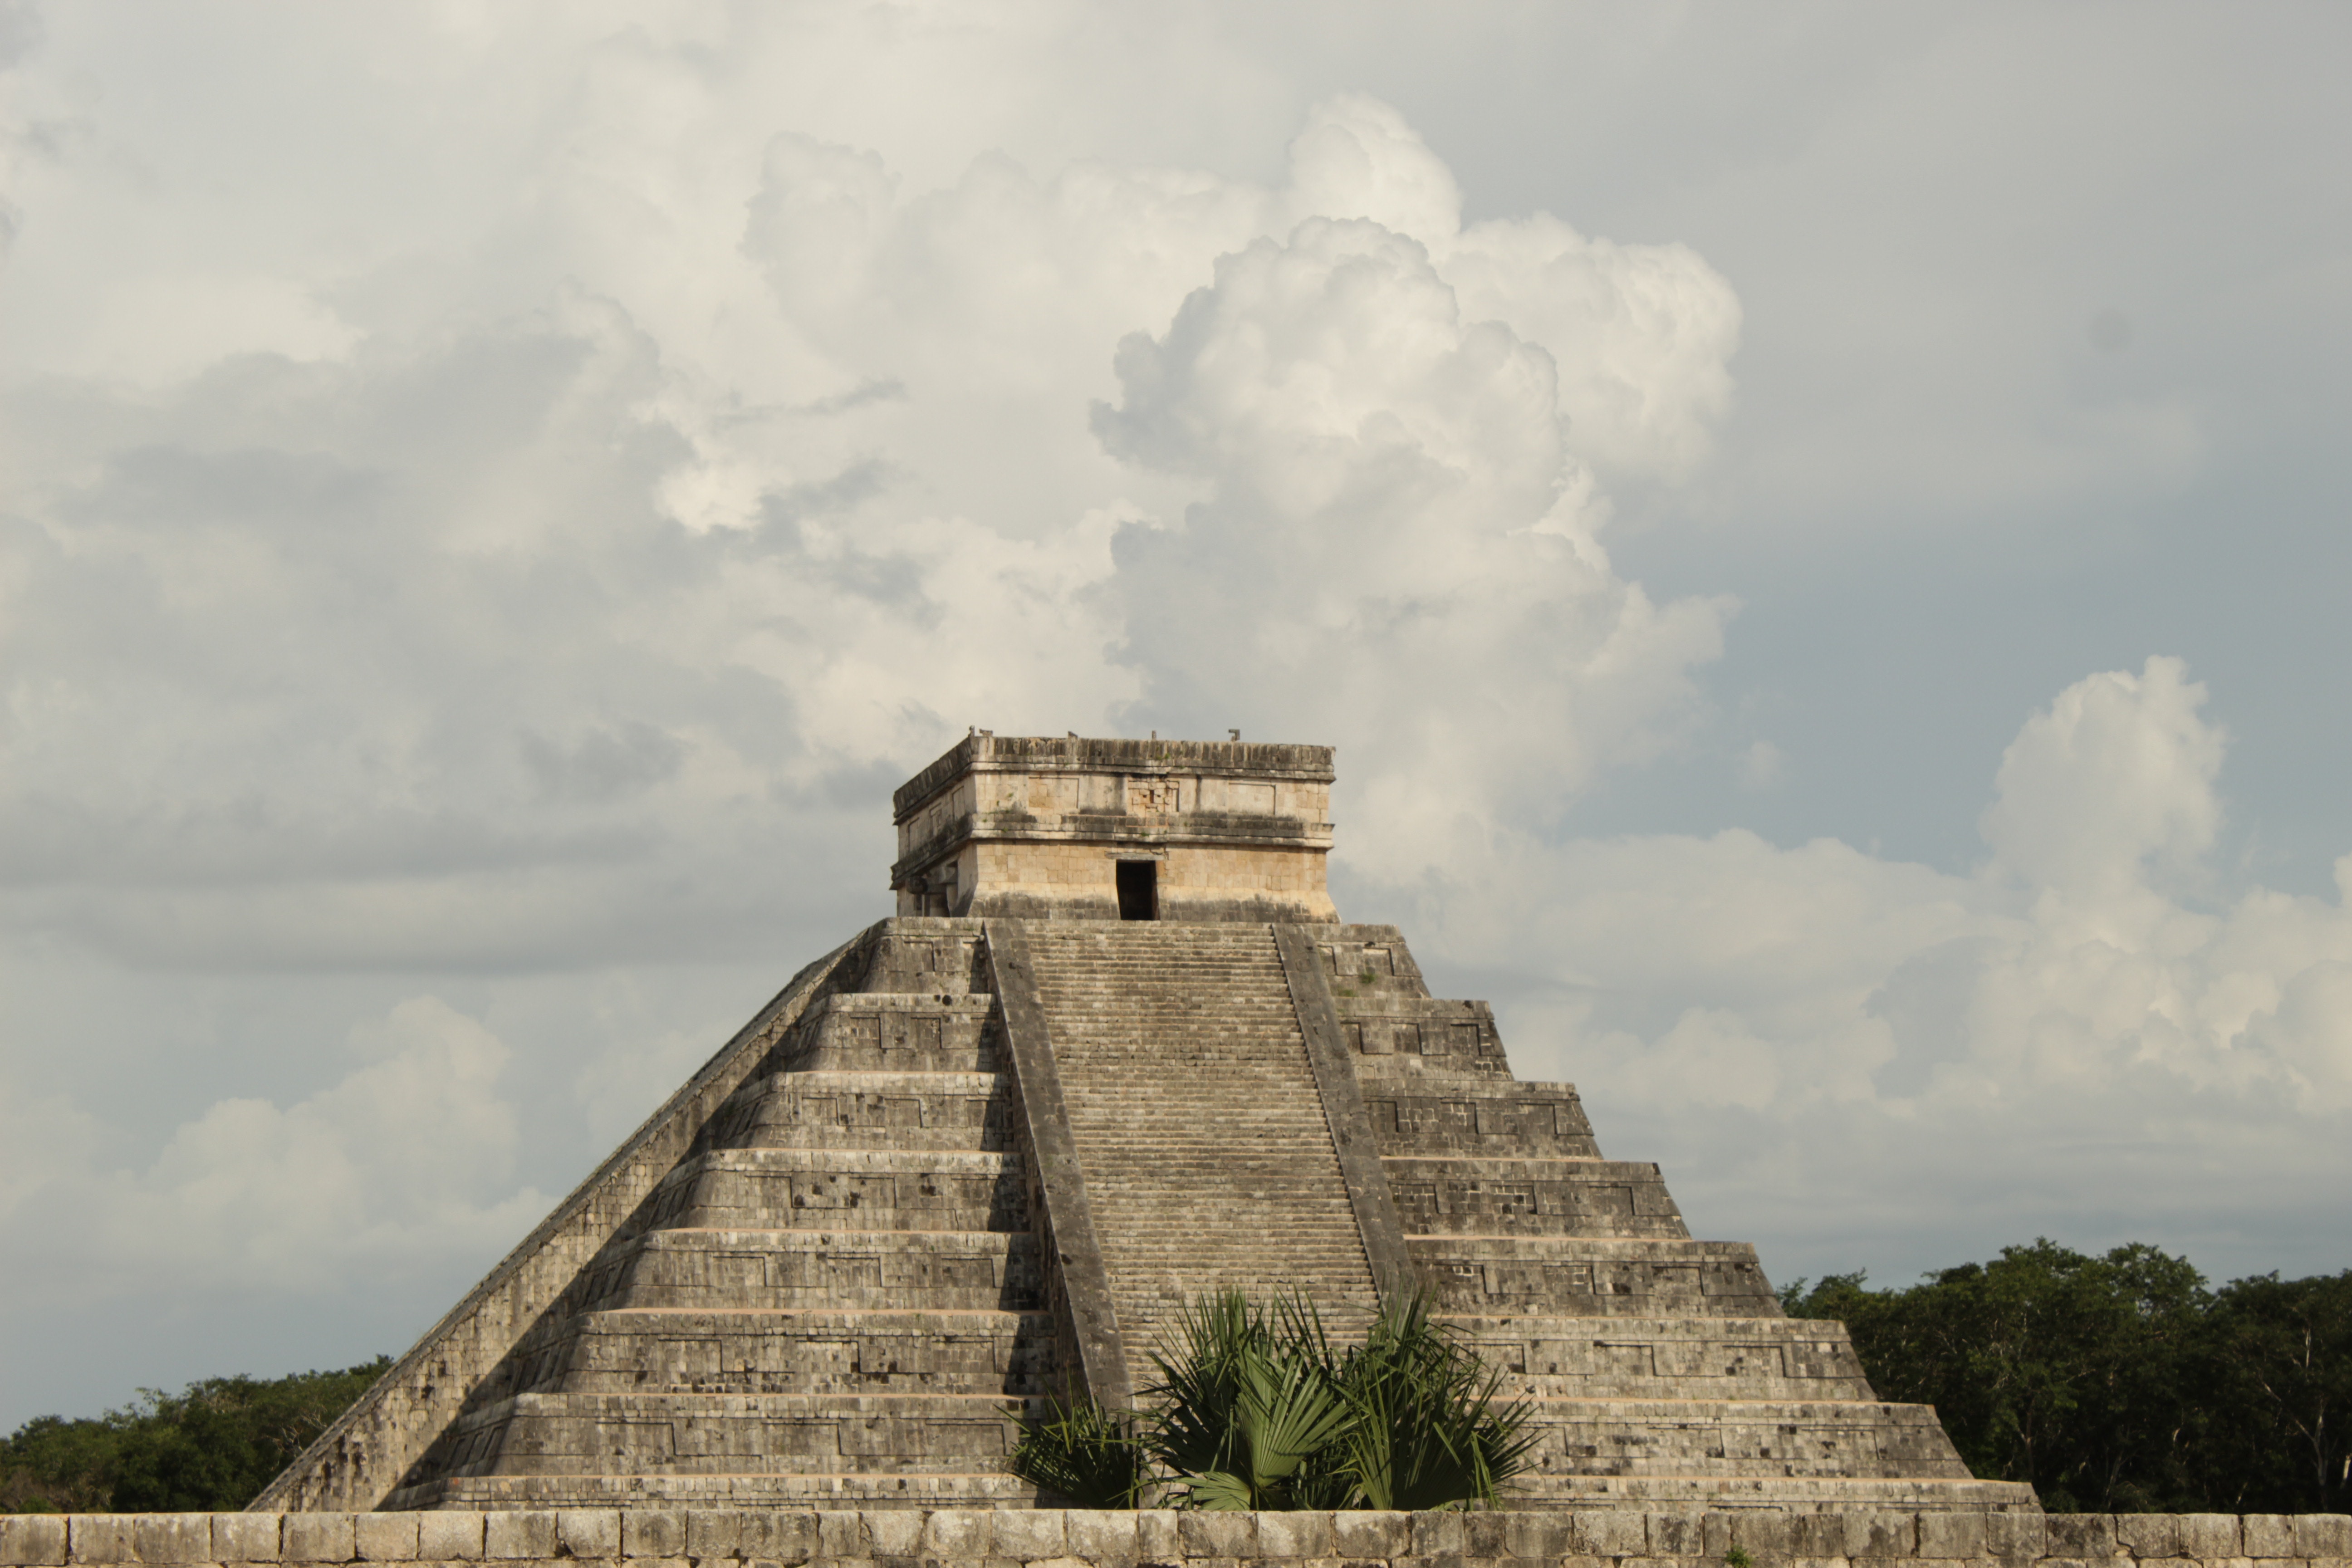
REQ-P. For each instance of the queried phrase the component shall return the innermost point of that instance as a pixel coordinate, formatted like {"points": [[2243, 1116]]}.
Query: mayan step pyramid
{"points": [[1115, 1050]]}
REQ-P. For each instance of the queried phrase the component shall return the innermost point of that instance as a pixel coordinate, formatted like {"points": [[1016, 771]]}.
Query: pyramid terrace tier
{"points": [[1762, 1437], [827, 1351], [1668, 1358], [1419, 1034], [879, 1189], [1500, 1118], [714, 1269], [1371, 962], [925, 956], [1495, 1276], [832, 1107], [893, 1032], [1461, 1196], [732, 1434], [981, 1488], [1704, 1492], [1685, 1495]]}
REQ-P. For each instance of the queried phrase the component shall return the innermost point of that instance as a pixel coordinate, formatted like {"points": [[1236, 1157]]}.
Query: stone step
{"points": [[837, 1108], [732, 1434], [1478, 1117], [1422, 1075], [1159, 1281], [1498, 1276], [1171, 979], [1708, 1493], [1660, 1358], [926, 955], [1740, 1438], [803, 1489], [1177, 940], [1466, 1195], [782, 1350], [847, 1268], [1368, 959], [758, 1189], [1150, 1272], [1258, 1147], [1114, 1030], [1198, 1121], [887, 1031], [1380, 1029]]}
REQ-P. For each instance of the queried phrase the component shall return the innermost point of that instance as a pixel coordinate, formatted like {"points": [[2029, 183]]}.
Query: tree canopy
{"points": [[208, 1449], [2122, 1382]]}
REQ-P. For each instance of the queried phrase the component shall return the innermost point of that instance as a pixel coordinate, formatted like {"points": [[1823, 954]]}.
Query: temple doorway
{"points": [[1138, 889]]}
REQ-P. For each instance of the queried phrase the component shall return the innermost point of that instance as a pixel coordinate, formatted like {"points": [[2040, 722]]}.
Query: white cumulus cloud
{"points": [[405, 1161], [488, 551], [2081, 1025]]}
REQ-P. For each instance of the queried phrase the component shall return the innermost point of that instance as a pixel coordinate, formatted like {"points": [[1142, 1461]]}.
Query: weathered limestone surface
{"points": [[963, 1165], [1087, 1339], [838, 1292], [1036, 828], [1208, 1156], [1049, 1538], [1660, 1367], [359, 1458]]}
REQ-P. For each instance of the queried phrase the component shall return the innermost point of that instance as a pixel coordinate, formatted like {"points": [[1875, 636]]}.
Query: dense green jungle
{"points": [[2121, 1382], [209, 1448]]}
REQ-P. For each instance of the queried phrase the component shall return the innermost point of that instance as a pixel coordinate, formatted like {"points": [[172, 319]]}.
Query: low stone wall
{"points": [[919, 1538]]}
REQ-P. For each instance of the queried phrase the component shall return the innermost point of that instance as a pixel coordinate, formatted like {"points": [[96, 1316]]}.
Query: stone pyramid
{"points": [[1115, 1050]]}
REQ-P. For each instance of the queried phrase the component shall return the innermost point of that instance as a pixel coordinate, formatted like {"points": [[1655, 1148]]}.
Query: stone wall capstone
{"points": [[1052, 1538]]}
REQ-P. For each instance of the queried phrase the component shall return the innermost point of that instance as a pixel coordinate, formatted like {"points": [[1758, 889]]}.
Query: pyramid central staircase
{"points": [[961, 1167], [1209, 1159]]}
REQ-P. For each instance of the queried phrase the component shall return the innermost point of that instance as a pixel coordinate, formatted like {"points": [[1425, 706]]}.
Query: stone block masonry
{"points": [[838, 1294], [970, 1163], [1208, 1158], [1043, 828], [1051, 1538]]}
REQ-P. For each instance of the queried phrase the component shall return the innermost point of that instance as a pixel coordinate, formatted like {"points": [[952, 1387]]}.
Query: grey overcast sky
{"points": [[1819, 531]]}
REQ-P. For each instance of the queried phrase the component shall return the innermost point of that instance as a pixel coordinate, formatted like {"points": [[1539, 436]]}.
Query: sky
{"points": [[1820, 533]]}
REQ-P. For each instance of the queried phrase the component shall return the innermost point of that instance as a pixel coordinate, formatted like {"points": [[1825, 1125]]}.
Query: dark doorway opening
{"points": [[1138, 889]]}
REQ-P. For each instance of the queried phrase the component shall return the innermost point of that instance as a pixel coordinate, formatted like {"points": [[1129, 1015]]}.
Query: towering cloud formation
{"points": [[1396, 542], [477, 586], [454, 642]]}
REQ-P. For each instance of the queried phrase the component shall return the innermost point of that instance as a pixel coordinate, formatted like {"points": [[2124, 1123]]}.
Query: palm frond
{"points": [[1254, 1409], [1429, 1432], [1088, 1455]]}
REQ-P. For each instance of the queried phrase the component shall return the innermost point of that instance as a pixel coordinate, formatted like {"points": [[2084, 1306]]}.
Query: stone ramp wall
{"points": [[1195, 1114], [1048, 1538], [362, 1455]]}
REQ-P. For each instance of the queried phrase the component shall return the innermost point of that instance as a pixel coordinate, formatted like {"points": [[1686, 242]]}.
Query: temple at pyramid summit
{"points": [[1116, 1050]]}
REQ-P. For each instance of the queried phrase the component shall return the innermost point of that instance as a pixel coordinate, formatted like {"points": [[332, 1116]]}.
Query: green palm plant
{"points": [[1244, 1405], [1426, 1431], [1085, 1454], [1259, 1410]]}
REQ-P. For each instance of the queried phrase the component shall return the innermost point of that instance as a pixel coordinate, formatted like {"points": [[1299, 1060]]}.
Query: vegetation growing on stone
{"points": [[2119, 1383], [1259, 1409], [1091, 1456], [208, 1449]]}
